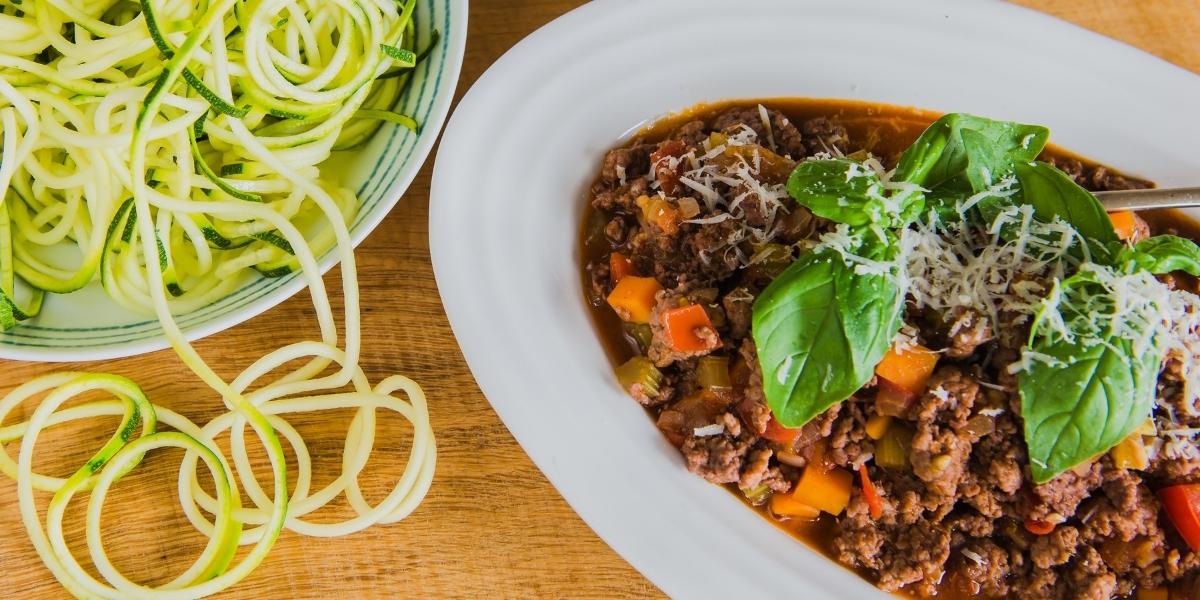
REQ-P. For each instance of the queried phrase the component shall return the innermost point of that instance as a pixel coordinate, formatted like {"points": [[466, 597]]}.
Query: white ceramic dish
{"points": [[86, 325], [527, 140]]}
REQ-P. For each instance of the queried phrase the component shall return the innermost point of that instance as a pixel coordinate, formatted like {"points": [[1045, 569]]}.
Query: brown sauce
{"points": [[885, 131]]}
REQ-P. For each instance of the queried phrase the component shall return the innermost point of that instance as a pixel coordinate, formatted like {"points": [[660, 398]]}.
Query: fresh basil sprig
{"points": [[822, 326], [961, 154], [1082, 393]]}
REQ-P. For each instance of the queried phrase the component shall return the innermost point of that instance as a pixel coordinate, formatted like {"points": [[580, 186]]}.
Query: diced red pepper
{"points": [[685, 328], [667, 176], [1038, 527], [892, 400], [1182, 503], [619, 266], [870, 494], [779, 434]]}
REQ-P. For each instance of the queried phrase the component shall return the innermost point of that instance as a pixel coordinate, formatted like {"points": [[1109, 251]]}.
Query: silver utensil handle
{"points": [[1147, 199]]}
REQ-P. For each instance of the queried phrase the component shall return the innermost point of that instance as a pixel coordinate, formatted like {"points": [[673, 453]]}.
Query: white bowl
{"points": [[87, 325], [516, 159]]}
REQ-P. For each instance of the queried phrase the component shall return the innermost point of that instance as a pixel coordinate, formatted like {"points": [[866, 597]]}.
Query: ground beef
{"points": [[756, 469], [822, 135], [717, 458], [1094, 177], [738, 305], [849, 444], [968, 331], [996, 469], [625, 164], [616, 230], [622, 198], [1054, 549], [690, 133], [1058, 498], [942, 444], [985, 568], [786, 136], [748, 386]]}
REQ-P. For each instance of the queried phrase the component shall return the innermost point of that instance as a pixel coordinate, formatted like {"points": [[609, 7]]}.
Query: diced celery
{"points": [[640, 371], [640, 333], [891, 451], [713, 372]]}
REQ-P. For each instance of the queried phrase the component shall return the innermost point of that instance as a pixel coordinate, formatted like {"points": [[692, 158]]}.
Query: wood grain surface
{"points": [[492, 525]]}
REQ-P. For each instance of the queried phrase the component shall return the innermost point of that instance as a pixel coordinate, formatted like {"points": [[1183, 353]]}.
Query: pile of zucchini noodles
{"points": [[175, 148]]}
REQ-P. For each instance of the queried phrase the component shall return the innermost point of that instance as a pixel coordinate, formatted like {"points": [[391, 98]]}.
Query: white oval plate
{"points": [[516, 159], [87, 325]]}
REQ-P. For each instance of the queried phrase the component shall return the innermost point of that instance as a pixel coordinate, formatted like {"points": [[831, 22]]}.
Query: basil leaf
{"points": [[969, 149], [917, 163], [1082, 395], [1084, 403], [820, 329], [845, 191], [1164, 254], [1053, 193]]}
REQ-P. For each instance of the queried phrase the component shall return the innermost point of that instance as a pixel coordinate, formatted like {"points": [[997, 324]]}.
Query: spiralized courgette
{"points": [[175, 146]]}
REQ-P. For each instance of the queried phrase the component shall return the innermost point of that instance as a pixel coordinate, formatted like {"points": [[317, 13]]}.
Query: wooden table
{"points": [[492, 525]]}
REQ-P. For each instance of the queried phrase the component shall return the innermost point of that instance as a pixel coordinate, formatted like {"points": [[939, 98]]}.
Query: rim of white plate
{"points": [[525, 142], [399, 156]]}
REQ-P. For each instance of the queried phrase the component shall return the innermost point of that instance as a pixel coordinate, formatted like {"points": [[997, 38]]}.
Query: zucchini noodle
{"points": [[172, 149]]}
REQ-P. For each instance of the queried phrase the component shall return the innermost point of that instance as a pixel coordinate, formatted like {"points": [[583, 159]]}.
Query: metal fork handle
{"points": [[1152, 198]]}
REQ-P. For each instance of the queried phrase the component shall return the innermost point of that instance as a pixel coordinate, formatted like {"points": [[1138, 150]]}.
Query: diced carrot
{"points": [[909, 368], [784, 505], [667, 218], [688, 329], [619, 266], [826, 489], [633, 298], [1125, 223], [892, 400], [870, 494], [779, 434], [1038, 527], [878, 425], [660, 212]]}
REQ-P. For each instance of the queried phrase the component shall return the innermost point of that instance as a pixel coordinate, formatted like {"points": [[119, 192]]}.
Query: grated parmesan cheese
{"points": [[974, 556], [958, 266], [725, 183], [766, 121], [941, 394]]}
